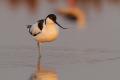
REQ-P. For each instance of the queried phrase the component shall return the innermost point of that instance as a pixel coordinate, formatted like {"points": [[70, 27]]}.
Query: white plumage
{"points": [[49, 29], [44, 31]]}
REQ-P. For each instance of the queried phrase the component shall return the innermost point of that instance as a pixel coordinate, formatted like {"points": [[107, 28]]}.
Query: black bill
{"points": [[60, 26]]}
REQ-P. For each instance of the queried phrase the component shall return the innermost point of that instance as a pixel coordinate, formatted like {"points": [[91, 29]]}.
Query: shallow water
{"points": [[91, 53]]}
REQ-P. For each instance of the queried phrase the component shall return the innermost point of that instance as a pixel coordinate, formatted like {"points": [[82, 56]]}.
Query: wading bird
{"points": [[44, 30]]}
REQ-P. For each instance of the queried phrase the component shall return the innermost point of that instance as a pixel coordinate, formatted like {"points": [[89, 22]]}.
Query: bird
{"points": [[44, 30]]}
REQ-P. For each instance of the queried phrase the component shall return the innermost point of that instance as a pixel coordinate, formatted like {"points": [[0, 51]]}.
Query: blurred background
{"points": [[89, 49]]}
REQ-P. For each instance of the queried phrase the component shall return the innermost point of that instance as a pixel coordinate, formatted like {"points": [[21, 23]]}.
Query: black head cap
{"points": [[52, 17]]}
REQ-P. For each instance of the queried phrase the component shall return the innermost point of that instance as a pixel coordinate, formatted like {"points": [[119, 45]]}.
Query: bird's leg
{"points": [[39, 57]]}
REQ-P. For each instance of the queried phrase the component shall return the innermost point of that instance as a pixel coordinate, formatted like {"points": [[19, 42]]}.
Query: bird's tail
{"points": [[29, 26]]}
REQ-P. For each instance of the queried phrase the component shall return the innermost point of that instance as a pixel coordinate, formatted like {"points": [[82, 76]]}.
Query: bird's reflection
{"points": [[44, 74]]}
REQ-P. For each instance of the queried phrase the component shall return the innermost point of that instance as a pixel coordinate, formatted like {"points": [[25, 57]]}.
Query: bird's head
{"points": [[51, 18]]}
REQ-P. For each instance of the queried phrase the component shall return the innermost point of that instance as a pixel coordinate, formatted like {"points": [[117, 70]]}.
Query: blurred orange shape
{"points": [[72, 2], [44, 74], [32, 5], [77, 13], [14, 3]]}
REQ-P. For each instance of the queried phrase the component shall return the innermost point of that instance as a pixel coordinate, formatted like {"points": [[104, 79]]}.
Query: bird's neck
{"points": [[49, 21]]}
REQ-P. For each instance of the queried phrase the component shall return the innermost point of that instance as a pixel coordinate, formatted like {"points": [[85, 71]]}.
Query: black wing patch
{"points": [[40, 24]]}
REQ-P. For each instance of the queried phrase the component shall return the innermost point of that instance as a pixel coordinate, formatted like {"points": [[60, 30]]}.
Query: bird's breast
{"points": [[49, 33]]}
